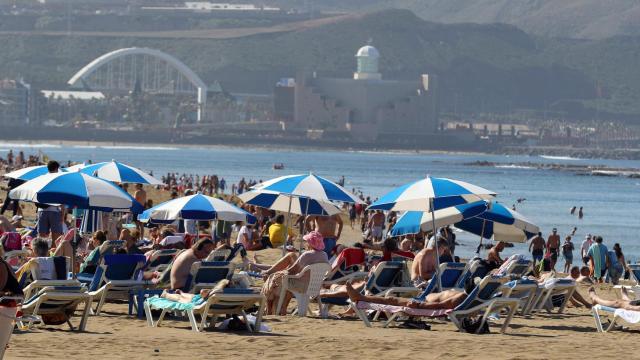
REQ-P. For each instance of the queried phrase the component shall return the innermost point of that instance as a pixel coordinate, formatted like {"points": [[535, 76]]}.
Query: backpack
{"points": [[471, 325]]}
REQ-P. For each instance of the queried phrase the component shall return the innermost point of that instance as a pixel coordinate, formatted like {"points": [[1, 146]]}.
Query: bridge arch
{"points": [[78, 79]]}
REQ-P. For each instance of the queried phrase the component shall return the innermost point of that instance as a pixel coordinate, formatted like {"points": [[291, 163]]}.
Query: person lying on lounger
{"points": [[447, 299], [195, 299], [624, 303]]}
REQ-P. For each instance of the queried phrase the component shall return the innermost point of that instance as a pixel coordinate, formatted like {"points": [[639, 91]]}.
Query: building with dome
{"points": [[365, 108]]}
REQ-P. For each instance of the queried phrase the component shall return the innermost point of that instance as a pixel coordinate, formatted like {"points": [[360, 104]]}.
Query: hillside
{"points": [[591, 19], [480, 68]]}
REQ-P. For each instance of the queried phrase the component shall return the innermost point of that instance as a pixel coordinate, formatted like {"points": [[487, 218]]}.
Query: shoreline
{"points": [[568, 153]]}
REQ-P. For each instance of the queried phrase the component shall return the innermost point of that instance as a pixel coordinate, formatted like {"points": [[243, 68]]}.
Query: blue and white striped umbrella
{"points": [[280, 202], [308, 186], [119, 173], [195, 207], [76, 190], [412, 222], [30, 173], [500, 224], [419, 195]]}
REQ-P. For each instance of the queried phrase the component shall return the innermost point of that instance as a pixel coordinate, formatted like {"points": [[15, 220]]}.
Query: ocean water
{"points": [[611, 204]]}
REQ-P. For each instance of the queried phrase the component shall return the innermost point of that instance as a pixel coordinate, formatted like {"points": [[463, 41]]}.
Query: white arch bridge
{"points": [[150, 70]]}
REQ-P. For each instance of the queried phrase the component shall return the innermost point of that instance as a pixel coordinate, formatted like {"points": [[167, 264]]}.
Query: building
{"points": [[366, 106], [14, 102]]}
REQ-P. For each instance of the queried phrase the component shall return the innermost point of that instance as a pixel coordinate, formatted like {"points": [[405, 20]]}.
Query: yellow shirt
{"points": [[276, 234]]}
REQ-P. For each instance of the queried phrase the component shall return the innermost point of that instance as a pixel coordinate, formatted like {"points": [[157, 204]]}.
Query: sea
{"points": [[611, 204]]}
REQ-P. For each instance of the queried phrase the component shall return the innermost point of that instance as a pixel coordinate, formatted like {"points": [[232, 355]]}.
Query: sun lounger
{"points": [[57, 300], [316, 274], [114, 278], [632, 317], [219, 255], [205, 274], [346, 267], [386, 275], [227, 302], [475, 268], [481, 300], [525, 290], [160, 259], [554, 293]]}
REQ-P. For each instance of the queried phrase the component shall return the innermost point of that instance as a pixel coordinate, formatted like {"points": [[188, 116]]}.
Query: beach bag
{"points": [[11, 241], [470, 325], [59, 318]]}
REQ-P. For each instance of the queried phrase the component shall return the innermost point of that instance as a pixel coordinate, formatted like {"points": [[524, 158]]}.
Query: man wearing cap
{"points": [[584, 249], [553, 246]]}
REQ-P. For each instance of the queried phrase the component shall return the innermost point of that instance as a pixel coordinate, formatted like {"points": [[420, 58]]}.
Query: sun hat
{"points": [[315, 240]]}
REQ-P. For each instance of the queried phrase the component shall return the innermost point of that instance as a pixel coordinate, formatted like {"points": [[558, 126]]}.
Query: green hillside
{"points": [[481, 68]]}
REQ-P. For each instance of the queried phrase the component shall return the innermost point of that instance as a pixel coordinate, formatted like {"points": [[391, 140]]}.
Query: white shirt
{"points": [[244, 230]]}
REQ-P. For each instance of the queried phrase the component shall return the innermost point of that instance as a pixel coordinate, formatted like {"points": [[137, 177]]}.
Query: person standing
{"points": [[141, 196], [536, 248], [598, 259], [10, 204], [330, 227], [580, 213], [567, 253], [553, 246], [49, 217], [584, 249]]}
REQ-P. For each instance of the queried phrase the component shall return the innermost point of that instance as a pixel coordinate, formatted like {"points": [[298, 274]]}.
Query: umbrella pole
{"points": [[74, 247], [435, 240], [284, 246], [484, 221], [304, 222]]}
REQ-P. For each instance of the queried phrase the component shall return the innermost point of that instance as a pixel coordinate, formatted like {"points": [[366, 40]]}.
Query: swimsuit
{"points": [[537, 254], [329, 245]]}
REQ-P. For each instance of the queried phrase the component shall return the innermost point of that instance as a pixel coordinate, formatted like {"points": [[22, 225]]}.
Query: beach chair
{"points": [[160, 259], [632, 317], [114, 278], [449, 274], [386, 275], [518, 268], [62, 300], [524, 290], [346, 267], [634, 290], [475, 269], [219, 255], [316, 274], [205, 275], [226, 302], [554, 293], [482, 300]]}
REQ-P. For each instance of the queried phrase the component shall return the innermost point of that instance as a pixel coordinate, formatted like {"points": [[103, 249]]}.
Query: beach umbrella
{"points": [[75, 190], [195, 207], [306, 186], [431, 194], [119, 173], [280, 202], [413, 222], [500, 224], [30, 173], [76, 167]]}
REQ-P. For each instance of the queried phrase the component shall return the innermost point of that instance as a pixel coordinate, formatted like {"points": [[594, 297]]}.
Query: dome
{"points": [[368, 51]]}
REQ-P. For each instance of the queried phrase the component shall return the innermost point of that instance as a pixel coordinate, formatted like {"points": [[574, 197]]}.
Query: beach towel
{"points": [[597, 260], [433, 313], [351, 257], [629, 316], [11, 241]]}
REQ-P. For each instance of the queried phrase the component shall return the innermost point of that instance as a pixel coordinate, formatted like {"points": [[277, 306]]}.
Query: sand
{"points": [[116, 335]]}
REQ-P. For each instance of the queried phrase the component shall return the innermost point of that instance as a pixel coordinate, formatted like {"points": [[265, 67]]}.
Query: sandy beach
{"points": [[114, 334]]}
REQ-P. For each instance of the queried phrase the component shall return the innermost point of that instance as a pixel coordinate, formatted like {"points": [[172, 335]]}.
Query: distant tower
{"points": [[367, 58]]}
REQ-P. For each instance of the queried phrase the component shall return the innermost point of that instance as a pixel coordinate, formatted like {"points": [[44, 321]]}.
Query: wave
{"points": [[125, 147], [514, 166], [27, 145], [567, 158]]}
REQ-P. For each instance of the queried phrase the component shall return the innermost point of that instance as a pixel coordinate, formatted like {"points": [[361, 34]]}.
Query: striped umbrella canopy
{"points": [[195, 207], [30, 173], [430, 194], [76, 167], [280, 202], [76, 190], [119, 173], [308, 186], [500, 224], [412, 222]]}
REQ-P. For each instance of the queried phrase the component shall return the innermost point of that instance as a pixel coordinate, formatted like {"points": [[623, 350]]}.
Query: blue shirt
{"points": [[601, 251]]}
